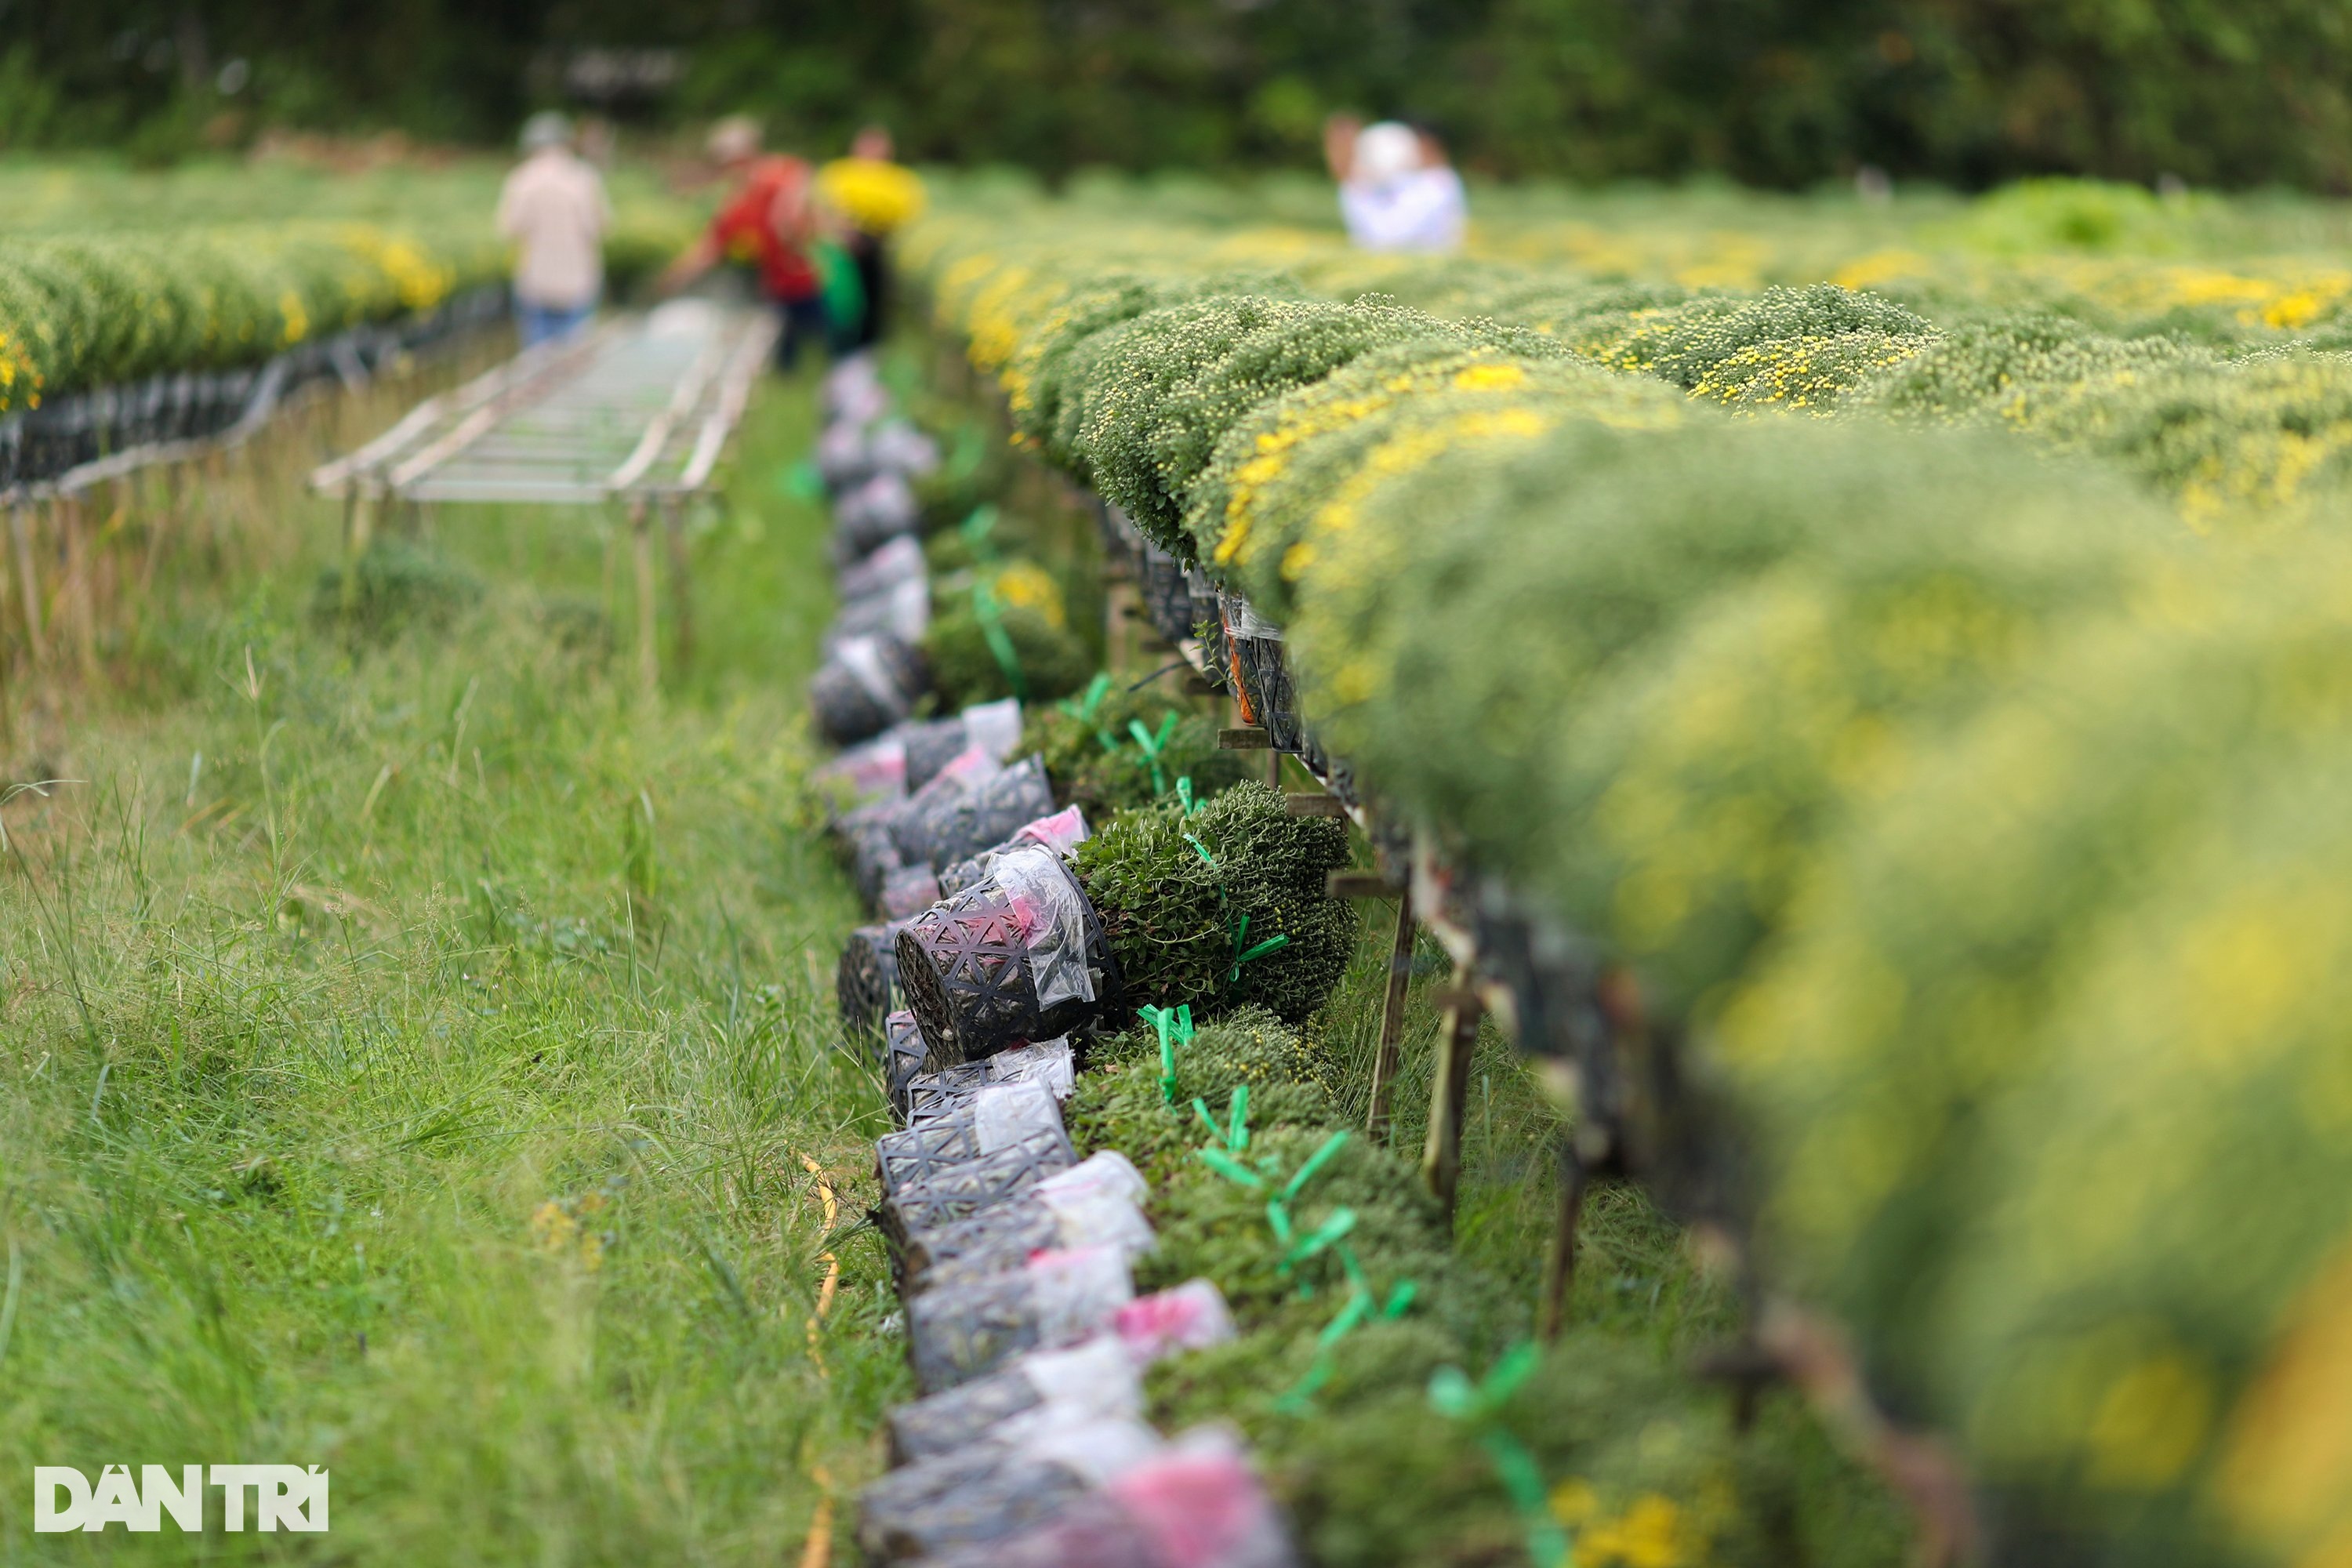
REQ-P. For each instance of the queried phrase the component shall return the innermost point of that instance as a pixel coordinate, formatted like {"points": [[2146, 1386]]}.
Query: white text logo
{"points": [[285, 1497]]}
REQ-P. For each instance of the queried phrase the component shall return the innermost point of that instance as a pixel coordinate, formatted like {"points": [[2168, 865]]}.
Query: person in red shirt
{"points": [[767, 224]]}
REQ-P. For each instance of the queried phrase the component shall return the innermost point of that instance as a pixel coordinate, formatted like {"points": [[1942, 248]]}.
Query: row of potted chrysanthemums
{"points": [[1948, 833]]}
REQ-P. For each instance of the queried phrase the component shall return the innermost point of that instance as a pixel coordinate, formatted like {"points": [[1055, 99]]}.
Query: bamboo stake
{"points": [[29, 581], [1384, 1058], [681, 580], [642, 550], [80, 619], [1457, 1038], [1559, 1266]]}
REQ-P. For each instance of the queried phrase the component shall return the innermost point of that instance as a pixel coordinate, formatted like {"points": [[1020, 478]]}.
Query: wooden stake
{"points": [[80, 618], [681, 580], [29, 581], [1457, 1038], [1384, 1058], [642, 547], [1560, 1268]]}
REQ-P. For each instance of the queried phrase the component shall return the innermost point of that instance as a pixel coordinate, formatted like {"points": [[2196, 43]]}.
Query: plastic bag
{"points": [[975, 803], [1096, 1379], [896, 560], [870, 511], [870, 775], [965, 1330], [1188, 1317], [958, 1190], [997, 1488], [902, 611], [1095, 1203], [1019, 956], [932, 1095], [1000, 1117], [866, 684], [1261, 679], [1062, 833], [1198, 1504], [907, 891]]}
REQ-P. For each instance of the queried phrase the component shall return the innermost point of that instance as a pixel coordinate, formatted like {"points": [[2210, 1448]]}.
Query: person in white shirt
{"points": [[1396, 191], [555, 210]]}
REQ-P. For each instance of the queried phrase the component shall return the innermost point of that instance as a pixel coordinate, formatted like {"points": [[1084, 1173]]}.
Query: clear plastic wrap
{"points": [[866, 684], [1019, 956], [896, 560], [1198, 1504], [965, 1330], [1089, 1204], [852, 392], [1062, 833], [1188, 1317], [870, 775], [902, 610], [973, 803], [1261, 678], [998, 1486], [1167, 596], [1000, 1117], [1094, 1380], [958, 1190], [932, 1095], [870, 511], [907, 891]]}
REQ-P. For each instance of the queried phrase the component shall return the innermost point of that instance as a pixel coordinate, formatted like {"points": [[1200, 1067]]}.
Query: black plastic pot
{"points": [[866, 981], [869, 684], [1018, 956]]}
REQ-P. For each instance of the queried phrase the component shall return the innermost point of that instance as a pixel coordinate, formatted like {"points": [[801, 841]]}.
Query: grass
{"points": [[410, 1047]]}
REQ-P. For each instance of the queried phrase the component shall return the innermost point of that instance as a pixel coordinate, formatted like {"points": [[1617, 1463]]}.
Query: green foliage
{"points": [[1184, 897], [1096, 762], [967, 667], [1123, 1105]]}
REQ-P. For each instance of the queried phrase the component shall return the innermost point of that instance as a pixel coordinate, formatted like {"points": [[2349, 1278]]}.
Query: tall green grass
{"points": [[409, 1045]]}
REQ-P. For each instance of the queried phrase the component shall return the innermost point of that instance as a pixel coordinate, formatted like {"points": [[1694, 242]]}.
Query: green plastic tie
{"points": [[1233, 1169], [990, 615], [1342, 1221], [1175, 1028], [977, 530], [1083, 706], [1350, 1318], [1152, 747], [802, 481], [1315, 1162], [1235, 1135], [1241, 956], [1184, 794], [1450, 1392]]}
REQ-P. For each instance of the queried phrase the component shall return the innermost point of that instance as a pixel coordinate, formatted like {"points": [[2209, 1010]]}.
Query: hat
{"points": [[1386, 151], [545, 129]]}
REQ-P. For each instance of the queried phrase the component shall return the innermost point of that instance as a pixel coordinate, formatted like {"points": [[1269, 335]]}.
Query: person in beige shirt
{"points": [[555, 210]]}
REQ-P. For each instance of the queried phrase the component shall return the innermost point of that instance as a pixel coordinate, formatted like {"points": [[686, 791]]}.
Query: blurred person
{"points": [[1397, 189], [873, 196], [767, 223], [553, 209]]}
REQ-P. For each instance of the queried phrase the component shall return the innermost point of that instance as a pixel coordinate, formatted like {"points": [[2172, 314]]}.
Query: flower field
{"points": [[107, 277], [1908, 646]]}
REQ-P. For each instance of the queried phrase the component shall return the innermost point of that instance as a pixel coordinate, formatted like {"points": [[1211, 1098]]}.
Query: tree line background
{"points": [[1771, 92]]}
